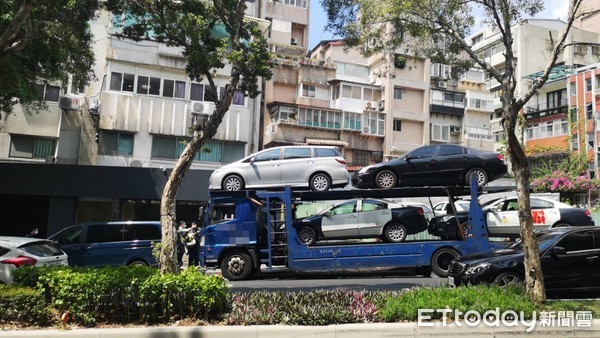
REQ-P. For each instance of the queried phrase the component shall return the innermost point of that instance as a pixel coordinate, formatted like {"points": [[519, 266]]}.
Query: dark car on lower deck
{"points": [[570, 259]]}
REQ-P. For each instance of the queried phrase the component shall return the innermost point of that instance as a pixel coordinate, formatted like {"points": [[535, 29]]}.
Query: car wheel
{"points": [[561, 225], [137, 263], [508, 278], [236, 265], [307, 236], [440, 261], [233, 183], [385, 179], [480, 175], [319, 182], [395, 233]]}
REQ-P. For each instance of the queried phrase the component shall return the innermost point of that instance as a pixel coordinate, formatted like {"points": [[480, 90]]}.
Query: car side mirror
{"points": [[408, 157], [328, 213], [252, 160], [558, 250]]}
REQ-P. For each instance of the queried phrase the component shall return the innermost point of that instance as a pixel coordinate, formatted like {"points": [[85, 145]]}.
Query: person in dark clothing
{"points": [[181, 249], [193, 245]]}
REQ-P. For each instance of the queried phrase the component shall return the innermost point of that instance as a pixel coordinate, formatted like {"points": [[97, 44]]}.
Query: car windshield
{"points": [[545, 240]]}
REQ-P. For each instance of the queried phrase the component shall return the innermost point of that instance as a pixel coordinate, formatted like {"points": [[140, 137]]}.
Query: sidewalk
{"points": [[396, 330]]}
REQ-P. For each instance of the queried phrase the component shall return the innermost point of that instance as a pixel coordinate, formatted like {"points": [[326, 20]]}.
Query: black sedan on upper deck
{"points": [[442, 164]]}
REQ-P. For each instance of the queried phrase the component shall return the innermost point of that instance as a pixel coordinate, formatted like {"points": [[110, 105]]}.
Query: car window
{"points": [[141, 232], [510, 205], [540, 204], [268, 155], [465, 205], [439, 207], [41, 249], [447, 150], [346, 208], [373, 205], [423, 152], [105, 233], [327, 152], [577, 241], [291, 153], [3, 250], [68, 236]]}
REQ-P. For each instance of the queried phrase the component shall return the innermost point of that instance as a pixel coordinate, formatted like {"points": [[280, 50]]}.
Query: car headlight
{"points": [[477, 269], [446, 218], [364, 170]]}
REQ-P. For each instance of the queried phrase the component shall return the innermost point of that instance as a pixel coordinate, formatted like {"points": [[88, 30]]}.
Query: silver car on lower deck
{"points": [[319, 168]]}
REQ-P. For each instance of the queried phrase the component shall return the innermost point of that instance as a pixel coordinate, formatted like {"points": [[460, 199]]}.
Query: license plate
{"points": [[54, 263], [451, 281]]}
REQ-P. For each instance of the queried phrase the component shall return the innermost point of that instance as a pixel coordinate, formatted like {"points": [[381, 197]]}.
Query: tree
{"points": [[388, 26], [213, 35], [43, 42]]}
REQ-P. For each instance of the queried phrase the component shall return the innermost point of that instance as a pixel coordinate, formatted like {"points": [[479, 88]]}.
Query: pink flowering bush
{"points": [[560, 181]]}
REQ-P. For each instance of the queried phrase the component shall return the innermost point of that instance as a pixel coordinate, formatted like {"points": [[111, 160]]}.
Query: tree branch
{"points": [[9, 37]]}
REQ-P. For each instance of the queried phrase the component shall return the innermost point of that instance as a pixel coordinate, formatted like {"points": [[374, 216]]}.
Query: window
{"points": [[588, 84], [169, 147], [448, 150], [352, 121], [122, 81], [105, 233], [477, 39], [345, 208], [440, 132], [239, 99], [589, 112], [353, 92], [578, 241], [31, 147], [292, 153], [361, 157], [268, 155], [115, 143], [371, 94], [142, 232], [68, 236], [326, 152], [148, 85], [540, 204], [308, 90], [352, 69], [47, 92], [454, 97], [424, 152], [557, 98], [373, 205], [197, 92], [397, 125], [398, 93], [297, 3], [375, 122], [175, 89]]}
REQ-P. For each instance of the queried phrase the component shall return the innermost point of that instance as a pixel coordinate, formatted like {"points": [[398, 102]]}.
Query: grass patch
{"points": [[575, 305]]}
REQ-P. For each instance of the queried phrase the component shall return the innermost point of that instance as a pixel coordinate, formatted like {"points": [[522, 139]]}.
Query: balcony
{"points": [[447, 107], [496, 125], [546, 108]]}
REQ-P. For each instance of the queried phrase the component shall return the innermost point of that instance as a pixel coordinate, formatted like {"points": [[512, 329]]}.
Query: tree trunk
{"points": [[534, 279]]}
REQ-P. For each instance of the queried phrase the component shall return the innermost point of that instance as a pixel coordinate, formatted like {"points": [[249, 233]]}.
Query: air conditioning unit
{"points": [[455, 129], [366, 130], [381, 105], [442, 84], [71, 102], [369, 105], [294, 42], [199, 107]]}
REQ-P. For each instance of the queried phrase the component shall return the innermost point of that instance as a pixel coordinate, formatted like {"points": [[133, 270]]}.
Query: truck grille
{"points": [[456, 268]]}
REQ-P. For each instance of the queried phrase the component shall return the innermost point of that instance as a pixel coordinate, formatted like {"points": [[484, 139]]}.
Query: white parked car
{"points": [[16, 252], [316, 167], [443, 208]]}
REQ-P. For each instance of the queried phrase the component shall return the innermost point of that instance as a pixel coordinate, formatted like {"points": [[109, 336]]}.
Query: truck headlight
{"points": [[477, 269], [202, 240]]}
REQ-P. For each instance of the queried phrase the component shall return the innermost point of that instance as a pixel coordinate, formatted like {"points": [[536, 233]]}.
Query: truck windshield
{"points": [[221, 213]]}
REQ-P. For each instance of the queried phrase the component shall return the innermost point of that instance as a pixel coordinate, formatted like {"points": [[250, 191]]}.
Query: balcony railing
{"points": [[550, 108]]}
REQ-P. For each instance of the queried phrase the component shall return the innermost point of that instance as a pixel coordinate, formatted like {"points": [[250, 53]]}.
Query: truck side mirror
{"points": [[201, 214]]}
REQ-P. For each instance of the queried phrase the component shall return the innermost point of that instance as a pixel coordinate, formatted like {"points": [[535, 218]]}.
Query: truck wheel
{"points": [[319, 182], [395, 233], [233, 183], [236, 266], [306, 236], [440, 261]]}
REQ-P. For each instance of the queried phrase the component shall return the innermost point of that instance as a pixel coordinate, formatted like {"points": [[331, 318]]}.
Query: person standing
{"points": [[193, 245], [181, 247]]}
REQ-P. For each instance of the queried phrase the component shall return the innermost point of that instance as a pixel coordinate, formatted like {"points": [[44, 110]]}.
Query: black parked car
{"points": [[362, 218], [502, 217], [570, 260], [445, 164]]}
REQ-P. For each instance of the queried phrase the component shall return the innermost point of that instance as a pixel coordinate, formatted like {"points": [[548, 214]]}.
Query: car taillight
{"points": [[587, 213], [20, 261], [420, 211], [341, 161], [500, 157]]}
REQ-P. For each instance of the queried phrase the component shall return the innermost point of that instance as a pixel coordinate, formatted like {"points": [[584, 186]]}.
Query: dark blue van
{"points": [[109, 243]]}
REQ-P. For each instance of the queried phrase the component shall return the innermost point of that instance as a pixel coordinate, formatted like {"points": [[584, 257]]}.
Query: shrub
{"points": [[130, 294], [24, 305], [480, 298], [303, 308]]}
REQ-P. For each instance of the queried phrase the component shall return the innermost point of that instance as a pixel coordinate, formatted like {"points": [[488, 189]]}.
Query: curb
{"points": [[332, 331]]}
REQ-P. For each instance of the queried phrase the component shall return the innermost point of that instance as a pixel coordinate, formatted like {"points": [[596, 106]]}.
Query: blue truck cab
{"points": [[247, 231]]}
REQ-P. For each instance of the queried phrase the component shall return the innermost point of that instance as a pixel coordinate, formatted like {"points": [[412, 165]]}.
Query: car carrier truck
{"points": [[247, 231]]}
